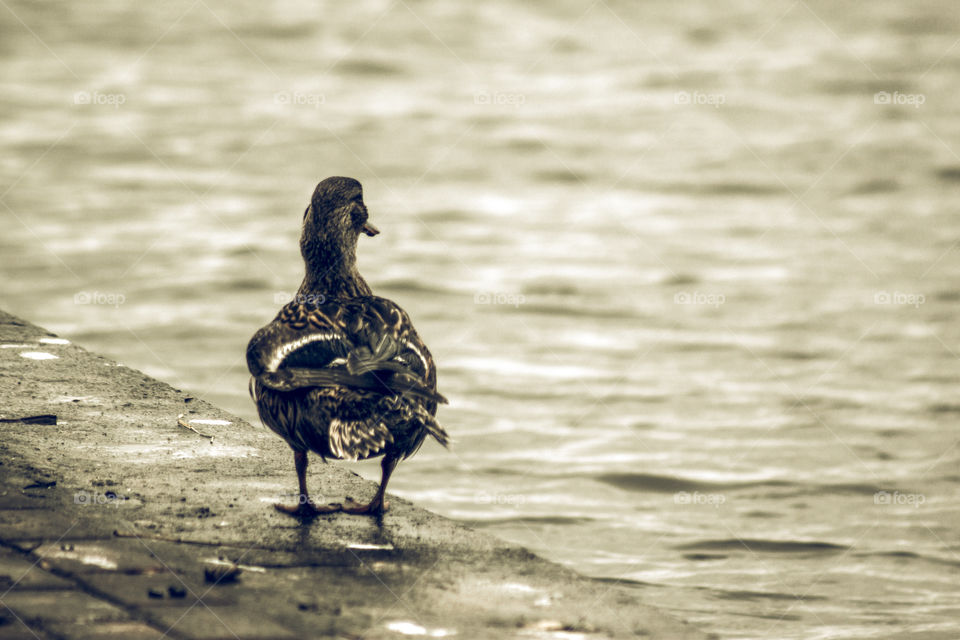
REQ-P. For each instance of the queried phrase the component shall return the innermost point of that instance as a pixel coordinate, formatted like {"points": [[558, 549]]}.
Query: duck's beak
{"points": [[369, 229]]}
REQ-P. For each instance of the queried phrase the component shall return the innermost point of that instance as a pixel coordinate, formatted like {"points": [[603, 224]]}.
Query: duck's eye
{"points": [[359, 214]]}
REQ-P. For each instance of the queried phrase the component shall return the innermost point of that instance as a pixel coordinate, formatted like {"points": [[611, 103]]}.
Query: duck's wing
{"points": [[367, 343]]}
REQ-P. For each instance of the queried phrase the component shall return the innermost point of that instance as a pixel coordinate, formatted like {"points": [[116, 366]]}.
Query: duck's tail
{"points": [[434, 429]]}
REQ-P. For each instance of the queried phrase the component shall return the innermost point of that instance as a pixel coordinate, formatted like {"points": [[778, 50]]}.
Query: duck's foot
{"points": [[307, 508], [373, 508]]}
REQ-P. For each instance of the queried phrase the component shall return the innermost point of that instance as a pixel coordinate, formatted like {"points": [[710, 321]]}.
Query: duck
{"points": [[340, 372]]}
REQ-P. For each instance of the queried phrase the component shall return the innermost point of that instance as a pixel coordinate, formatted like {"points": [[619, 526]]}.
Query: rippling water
{"points": [[689, 271]]}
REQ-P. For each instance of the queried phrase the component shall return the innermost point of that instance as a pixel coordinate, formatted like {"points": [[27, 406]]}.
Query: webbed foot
{"points": [[375, 507]]}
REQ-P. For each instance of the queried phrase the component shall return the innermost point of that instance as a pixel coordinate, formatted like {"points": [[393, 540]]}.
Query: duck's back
{"points": [[347, 379]]}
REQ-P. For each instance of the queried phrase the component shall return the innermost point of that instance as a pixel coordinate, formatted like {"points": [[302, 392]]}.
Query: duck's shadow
{"points": [[310, 531], [307, 519]]}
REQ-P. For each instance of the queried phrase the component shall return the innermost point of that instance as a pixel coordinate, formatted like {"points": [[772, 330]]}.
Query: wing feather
{"points": [[366, 343]]}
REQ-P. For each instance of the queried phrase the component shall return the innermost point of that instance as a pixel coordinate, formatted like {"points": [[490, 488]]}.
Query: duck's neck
{"points": [[341, 281]]}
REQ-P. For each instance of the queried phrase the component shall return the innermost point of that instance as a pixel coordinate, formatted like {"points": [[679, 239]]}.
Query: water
{"points": [[689, 275]]}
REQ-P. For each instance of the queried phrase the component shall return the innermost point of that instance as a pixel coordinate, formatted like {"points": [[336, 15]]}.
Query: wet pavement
{"points": [[119, 522]]}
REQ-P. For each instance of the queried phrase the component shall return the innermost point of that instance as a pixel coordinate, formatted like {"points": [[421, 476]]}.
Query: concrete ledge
{"points": [[116, 522]]}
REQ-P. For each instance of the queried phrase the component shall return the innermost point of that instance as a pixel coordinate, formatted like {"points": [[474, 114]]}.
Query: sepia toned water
{"points": [[689, 271]]}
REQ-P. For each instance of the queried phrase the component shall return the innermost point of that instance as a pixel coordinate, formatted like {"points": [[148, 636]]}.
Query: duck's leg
{"points": [[305, 506], [379, 503]]}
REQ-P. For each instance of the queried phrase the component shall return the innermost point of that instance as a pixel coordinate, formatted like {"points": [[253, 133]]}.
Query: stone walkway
{"points": [[118, 522]]}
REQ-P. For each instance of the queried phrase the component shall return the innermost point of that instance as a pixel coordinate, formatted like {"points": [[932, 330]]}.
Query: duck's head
{"points": [[334, 221]]}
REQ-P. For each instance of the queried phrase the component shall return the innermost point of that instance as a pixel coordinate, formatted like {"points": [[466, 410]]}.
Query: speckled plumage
{"points": [[339, 371]]}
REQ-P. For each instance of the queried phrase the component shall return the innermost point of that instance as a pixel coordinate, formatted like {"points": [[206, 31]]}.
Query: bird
{"points": [[339, 371]]}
